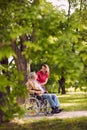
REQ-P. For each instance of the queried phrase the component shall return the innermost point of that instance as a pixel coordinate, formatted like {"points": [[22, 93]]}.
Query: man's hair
{"points": [[31, 74]]}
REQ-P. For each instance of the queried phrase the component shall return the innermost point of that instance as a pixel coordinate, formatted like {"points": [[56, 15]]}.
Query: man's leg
{"points": [[55, 99], [50, 100], [52, 103]]}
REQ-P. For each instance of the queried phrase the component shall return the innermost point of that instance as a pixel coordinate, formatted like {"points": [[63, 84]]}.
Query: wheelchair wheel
{"points": [[32, 106], [47, 107]]}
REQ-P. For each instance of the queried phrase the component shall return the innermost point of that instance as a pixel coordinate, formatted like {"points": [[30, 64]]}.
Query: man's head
{"points": [[33, 75]]}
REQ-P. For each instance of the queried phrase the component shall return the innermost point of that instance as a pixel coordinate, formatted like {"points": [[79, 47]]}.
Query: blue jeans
{"points": [[52, 99]]}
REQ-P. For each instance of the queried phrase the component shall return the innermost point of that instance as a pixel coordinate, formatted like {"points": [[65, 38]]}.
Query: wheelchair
{"points": [[34, 105]]}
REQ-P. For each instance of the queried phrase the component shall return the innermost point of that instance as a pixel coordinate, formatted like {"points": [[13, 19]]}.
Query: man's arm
{"points": [[33, 89]]}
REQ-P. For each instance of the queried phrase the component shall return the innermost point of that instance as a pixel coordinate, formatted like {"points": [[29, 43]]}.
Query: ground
{"points": [[63, 114]]}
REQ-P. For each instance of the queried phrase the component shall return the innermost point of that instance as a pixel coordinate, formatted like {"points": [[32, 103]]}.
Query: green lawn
{"points": [[71, 101]]}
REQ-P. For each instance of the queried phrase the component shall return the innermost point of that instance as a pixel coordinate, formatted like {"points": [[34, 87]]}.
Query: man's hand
{"points": [[46, 92]]}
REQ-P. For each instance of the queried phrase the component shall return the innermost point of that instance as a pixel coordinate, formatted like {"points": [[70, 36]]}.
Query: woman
{"points": [[43, 75]]}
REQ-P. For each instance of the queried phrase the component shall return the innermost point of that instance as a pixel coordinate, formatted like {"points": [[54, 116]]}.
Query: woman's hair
{"points": [[47, 68]]}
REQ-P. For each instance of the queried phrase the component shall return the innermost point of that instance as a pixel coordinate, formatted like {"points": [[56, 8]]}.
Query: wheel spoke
{"points": [[32, 106]]}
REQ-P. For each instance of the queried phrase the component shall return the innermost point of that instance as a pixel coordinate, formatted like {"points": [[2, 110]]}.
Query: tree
{"points": [[39, 33]]}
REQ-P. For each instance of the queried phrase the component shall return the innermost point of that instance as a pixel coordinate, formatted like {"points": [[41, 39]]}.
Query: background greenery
{"points": [[36, 32]]}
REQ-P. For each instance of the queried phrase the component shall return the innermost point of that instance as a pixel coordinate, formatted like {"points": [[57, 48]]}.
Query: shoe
{"points": [[59, 110], [56, 110], [52, 112]]}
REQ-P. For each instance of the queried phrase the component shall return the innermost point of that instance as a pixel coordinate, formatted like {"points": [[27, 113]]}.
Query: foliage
{"points": [[53, 37]]}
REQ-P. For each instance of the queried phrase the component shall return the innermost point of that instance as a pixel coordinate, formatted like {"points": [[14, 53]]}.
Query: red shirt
{"points": [[41, 76]]}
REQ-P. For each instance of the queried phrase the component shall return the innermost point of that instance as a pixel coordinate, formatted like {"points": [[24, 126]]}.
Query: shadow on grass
{"points": [[53, 124]]}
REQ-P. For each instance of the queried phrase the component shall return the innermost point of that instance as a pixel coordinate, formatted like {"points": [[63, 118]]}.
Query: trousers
{"points": [[52, 99]]}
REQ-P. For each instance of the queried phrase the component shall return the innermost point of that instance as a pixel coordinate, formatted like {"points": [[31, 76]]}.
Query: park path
{"points": [[62, 115]]}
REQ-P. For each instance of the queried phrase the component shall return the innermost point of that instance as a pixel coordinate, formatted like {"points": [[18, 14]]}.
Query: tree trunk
{"points": [[61, 85], [20, 60], [22, 64], [3, 94]]}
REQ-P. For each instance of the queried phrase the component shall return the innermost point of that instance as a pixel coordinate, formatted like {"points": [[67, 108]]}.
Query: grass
{"points": [[73, 101], [70, 102], [53, 124]]}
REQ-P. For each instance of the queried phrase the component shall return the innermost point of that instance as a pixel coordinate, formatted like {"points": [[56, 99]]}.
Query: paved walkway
{"points": [[70, 114], [62, 115]]}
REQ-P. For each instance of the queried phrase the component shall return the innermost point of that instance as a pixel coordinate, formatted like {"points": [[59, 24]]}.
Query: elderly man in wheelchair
{"points": [[39, 97]]}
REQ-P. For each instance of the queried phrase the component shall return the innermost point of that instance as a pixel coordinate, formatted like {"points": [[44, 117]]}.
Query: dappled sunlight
{"points": [[69, 104], [64, 95], [72, 104], [69, 94], [76, 101]]}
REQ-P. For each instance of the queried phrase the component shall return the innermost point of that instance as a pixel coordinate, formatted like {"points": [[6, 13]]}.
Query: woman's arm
{"points": [[44, 82]]}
